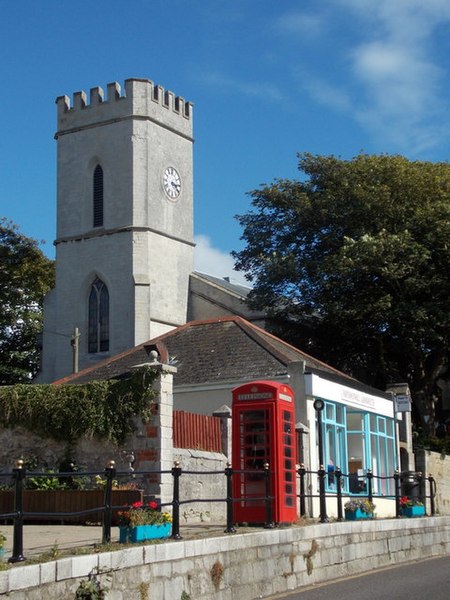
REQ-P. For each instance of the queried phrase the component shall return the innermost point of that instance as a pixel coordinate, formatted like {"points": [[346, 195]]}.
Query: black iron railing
{"points": [[18, 515], [410, 485], [413, 483]]}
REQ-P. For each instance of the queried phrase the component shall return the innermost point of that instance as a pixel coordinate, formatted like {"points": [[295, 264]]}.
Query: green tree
{"points": [[352, 262], [26, 274]]}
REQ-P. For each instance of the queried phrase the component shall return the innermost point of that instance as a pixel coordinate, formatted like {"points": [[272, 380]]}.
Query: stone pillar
{"points": [[224, 413], [153, 441]]}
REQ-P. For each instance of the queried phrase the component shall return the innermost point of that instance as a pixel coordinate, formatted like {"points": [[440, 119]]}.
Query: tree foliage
{"points": [[353, 261], [26, 275]]}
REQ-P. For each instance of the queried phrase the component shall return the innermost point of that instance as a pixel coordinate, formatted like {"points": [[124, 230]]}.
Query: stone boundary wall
{"points": [[245, 566], [439, 466], [88, 453], [197, 485]]}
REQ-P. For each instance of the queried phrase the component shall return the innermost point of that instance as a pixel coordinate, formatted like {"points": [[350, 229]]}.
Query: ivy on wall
{"points": [[100, 409]]}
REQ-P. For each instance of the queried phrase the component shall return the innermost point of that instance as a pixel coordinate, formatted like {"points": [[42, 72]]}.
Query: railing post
{"points": [[369, 476], [338, 475], [229, 475], [110, 472], [19, 476], [269, 518], [302, 474], [176, 473], [322, 499], [432, 494], [397, 493]]}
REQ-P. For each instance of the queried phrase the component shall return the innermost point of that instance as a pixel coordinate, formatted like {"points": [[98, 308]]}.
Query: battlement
{"points": [[141, 98]]}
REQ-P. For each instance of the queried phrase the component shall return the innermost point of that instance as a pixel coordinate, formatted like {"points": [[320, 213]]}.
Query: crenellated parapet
{"points": [[141, 98]]}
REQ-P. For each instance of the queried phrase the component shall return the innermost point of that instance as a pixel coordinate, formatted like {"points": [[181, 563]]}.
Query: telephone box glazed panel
{"points": [[264, 432]]}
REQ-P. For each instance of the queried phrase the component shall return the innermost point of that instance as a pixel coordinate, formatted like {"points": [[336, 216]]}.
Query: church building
{"points": [[124, 238]]}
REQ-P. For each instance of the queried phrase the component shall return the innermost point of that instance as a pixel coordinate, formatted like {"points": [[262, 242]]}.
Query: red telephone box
{"points": [[263, 421]]}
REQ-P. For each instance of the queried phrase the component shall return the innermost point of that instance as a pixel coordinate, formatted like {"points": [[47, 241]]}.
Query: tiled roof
{"points": [[211, 351]]}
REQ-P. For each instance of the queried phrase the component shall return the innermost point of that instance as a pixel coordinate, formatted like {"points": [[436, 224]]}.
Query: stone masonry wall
{"points": [[244, 566], [197, 485], [89, 454], [437, 465]]}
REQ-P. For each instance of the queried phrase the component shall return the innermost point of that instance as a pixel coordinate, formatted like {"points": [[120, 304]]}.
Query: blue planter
{"points": [[140, 533], [413, 511], [357, 514]]}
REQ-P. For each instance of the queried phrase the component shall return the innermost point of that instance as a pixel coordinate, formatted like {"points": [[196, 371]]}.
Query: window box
{"points": [[413, 511], [140, 533], [356, 515]]}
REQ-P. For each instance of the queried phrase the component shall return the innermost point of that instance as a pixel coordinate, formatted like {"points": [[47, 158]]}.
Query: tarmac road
{"points": [[413, 581]]}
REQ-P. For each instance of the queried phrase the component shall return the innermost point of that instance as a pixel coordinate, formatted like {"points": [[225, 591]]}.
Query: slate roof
{"points": [[226, 284], [211, 351]]}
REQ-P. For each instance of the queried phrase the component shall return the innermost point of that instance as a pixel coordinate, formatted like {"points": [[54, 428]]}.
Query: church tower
{"points": [[124, 247]]}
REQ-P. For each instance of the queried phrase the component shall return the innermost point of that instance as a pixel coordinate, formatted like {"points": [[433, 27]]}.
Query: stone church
{"points": [[124, 239]]}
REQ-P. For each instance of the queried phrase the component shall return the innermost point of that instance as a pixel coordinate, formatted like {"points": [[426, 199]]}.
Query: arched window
{"points": [[98, 336], [98, 196]]}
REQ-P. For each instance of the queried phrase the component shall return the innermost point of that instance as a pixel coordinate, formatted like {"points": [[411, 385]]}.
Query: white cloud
{"points": [[212, 261], [393, 83], [400, 83], [301, 23], [401, 79], [327, 94], [261, 90]]}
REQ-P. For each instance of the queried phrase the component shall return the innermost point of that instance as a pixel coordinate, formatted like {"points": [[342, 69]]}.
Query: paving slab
{"points": [[50, 538]]}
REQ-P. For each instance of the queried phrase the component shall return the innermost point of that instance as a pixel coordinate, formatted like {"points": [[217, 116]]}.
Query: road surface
{"points": [[427, 579]]}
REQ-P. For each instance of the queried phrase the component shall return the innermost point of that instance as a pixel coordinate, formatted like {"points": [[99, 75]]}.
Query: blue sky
{"points": [[268, 79]]}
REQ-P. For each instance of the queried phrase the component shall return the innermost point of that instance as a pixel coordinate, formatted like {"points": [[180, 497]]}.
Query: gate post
{"points": [[19, 476], [176, 473], [110, 471]]}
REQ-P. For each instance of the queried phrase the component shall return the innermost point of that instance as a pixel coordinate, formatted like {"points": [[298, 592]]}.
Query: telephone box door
{"points": [[255, 450]]}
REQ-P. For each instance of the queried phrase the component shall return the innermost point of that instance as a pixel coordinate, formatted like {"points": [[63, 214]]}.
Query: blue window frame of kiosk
{"points": [[357, 441], [335, 451]]}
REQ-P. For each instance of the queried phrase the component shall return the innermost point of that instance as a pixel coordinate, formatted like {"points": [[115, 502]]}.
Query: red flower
{"points": [[404, 501], [153, 505], [137, 505]]}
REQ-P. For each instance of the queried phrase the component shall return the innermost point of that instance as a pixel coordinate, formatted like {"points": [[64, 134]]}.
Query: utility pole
{"points": [[75, 341]]}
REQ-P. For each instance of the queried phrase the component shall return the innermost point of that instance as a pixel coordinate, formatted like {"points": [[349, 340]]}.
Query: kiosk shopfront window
{"points": [[357, 441]]}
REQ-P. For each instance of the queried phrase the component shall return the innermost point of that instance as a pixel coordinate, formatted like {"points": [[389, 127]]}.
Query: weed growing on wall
{"points": [[100, 409], [90, 590]]}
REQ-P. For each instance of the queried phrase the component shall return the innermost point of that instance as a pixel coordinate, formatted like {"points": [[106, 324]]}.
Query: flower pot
{"points": [[357, 514], [140, 533], [2, 553], [413, 511]]}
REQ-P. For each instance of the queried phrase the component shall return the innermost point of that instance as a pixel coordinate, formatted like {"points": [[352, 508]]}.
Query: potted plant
{"points": [[411, 507], [141, 522], [2, 545], [359, 508]]}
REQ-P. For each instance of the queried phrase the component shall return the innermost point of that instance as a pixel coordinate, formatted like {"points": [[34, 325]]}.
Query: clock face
{"points": [[172, 183]]}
